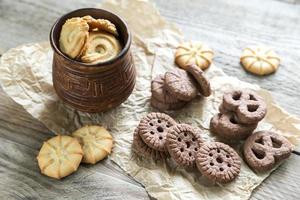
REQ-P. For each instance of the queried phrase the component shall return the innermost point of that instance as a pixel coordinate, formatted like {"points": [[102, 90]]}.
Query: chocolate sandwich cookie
{"points": [[143, 150], [183, 142], [227, 127], [153, 129], [218, 162], [263, 149], [180, 84], [203, 84]]}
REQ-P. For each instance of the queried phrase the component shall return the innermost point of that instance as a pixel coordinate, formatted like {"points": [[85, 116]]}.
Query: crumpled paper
{"points": [[26, 78]]}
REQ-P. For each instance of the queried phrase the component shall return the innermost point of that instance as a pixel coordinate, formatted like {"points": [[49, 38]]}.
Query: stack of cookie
{"points": [[177, 87], [240, 112], [159, 136]]}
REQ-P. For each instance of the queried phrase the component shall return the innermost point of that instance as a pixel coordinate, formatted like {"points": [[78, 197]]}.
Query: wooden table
{"points": [[228, 26]]}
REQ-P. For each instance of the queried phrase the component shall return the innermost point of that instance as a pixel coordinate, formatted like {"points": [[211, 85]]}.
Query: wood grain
{"points": [[227, 26]]}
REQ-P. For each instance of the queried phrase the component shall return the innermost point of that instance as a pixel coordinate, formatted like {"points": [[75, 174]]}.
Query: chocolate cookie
{"points": [[226, 126], [153, 130], [143, 150], [160, 93], [263, 149], [218, 162], [166, 106], [203, 83], [233, 99], [180, 84], [251, 112], [183, 142]]}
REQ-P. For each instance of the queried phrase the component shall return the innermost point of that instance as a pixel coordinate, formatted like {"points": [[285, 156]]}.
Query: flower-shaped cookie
{"points": [[96, 143], [260, 60], [196, 53]]}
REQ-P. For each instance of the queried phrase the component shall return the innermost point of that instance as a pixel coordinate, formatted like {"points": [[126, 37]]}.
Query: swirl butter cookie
{"points": [[260, 60], [263, 149], [73, 37], [203, 83], [218, 162], [183, 143], [180, 84], [196, 53], [153, 129], [96, 142], [60, 156], [143, 150], [226, 126], [101, 47]]}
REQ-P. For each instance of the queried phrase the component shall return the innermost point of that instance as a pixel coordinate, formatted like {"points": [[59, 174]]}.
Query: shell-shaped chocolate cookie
{"points": [[180, 84], [203, 83], [160, 93], [101, 47], [196, 53], [166, 106], [153, 129], [73, 37], [227, 127], [143, 150], [260, 60], [263, 149], [183, 143], [218, 162]]}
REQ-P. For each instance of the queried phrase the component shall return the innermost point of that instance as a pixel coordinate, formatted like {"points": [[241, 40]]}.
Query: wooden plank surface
{"points": [[227, 26]]}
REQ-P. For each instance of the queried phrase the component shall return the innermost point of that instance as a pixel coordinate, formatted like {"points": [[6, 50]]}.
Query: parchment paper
{"points": [[26, 78]]}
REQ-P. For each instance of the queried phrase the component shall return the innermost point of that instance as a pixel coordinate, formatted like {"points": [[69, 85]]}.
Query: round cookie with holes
{"points": [[153, 129], [143, 150], [183, 143], [227, 127], [218, 162], [263, 149], [180, 84]]}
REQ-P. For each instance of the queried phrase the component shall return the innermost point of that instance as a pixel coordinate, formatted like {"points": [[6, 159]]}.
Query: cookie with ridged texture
{"points": [[183, 143], [263, 149], [139, 147], [100, 25], [260, 60], [166, 106], [196, 53], [96, 142], [60, 156], [73, 37], [203, 83], [160, 93], [153, 129], [227, 127], [218, 162], [180, 84]]}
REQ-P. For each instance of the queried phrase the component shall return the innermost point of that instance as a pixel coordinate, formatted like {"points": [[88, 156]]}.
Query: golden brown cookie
{"points": [[101, 47], [73, 37], [196, 53], [96, 142], [260, 60], [100, 25], [59, 156]]}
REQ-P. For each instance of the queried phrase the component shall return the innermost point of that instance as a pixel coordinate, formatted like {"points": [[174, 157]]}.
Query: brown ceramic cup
{"points": [[93, 87]]}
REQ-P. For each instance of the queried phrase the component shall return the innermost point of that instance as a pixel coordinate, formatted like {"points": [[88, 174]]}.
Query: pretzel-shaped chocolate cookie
{"points": [[263, 149], [248, 105]]}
